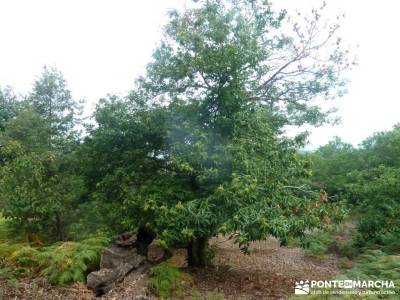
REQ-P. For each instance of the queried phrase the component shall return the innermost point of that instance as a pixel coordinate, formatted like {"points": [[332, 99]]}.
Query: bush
{"points": [[372, 265]]}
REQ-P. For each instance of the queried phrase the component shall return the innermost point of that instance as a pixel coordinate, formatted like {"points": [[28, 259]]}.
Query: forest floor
{"points": [[269, 272]]}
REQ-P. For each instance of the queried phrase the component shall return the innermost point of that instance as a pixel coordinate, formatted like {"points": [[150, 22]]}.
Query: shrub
{"points": [[372, 265], [7, 249]]}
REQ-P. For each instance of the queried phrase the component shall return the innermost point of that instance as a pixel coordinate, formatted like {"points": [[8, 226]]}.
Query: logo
{"points": [[302, 288], [342, 287]]}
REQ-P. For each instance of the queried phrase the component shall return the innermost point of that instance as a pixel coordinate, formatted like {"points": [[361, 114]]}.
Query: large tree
{"points": [[205, 127]]}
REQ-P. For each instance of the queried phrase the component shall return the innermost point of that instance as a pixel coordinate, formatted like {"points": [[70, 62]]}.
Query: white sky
{"points": [[101, 46]]}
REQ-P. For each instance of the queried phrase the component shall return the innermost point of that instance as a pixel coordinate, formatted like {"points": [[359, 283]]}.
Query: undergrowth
{"points": [[71, 261], [376, 265], [60, 263], [365, 263], [167, 281], [373, 265], [335, 239]]}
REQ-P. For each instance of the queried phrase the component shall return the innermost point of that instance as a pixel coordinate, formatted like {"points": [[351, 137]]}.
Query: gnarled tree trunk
{"points": [[196, 251]]}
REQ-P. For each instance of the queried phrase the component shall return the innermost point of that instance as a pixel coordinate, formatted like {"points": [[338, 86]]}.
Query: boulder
{"points": [[116, 262], [113, 256], [155, 253], [127, 239], [127, 254], [102, 281]]}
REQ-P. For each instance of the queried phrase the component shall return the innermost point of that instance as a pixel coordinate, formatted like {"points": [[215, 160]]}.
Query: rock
{"points": [[127, 239], [115, 264], [155, 253], [102, 281], [113, 256]]}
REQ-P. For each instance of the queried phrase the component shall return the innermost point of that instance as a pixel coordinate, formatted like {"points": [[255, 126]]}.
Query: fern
{"points": [[26, 257], [60, 264], [71, 261]]}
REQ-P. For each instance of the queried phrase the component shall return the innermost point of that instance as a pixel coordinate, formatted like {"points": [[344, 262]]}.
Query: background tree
{"points": [[382, 148], [36, 202], [333, 164], [8, 106], [52, 99], [123, 149], [39, 186], [27, 128]]}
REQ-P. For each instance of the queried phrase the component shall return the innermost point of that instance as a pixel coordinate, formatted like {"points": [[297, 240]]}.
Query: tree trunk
{"points": [[60, 228], [197, 252]]}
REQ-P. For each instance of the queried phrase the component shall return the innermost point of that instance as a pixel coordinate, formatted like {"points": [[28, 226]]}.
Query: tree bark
{"points": [[196, 251]]}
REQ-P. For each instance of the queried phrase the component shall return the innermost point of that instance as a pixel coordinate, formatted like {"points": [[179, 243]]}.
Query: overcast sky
{"points": [[102, 46]]}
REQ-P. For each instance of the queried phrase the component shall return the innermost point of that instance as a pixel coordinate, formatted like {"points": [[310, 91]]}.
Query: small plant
{"points": [[6, 249], [166, 280]]}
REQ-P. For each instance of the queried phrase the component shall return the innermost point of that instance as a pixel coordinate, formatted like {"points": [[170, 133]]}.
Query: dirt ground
{"points": [[269, 272]]}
